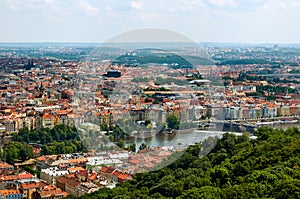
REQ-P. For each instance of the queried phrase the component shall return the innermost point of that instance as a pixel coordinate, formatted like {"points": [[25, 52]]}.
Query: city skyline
{"points": [[233, 21]]}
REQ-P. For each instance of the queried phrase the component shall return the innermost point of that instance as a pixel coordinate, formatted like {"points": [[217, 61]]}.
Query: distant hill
{"points": [[244, 62], [174, 60]]}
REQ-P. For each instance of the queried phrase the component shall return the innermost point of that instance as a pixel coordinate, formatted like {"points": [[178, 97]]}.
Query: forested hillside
{"points": [[237, 167]]}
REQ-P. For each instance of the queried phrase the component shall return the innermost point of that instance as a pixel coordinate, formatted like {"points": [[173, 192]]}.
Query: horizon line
{"points": [[95, 42]]}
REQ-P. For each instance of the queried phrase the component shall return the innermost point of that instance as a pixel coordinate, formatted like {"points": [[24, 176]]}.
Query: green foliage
{"points": [[140, 79], [173, 122], [237, 167], [45, 135], [244, 62], [132, 147], [143, 146], [275, 88], [61, 139], [32, 171], [71, 146], [16, 151], [115, 133], [145, 58]]}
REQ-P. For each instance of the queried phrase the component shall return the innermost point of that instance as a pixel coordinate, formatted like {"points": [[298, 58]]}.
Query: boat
{"points": [[172, 131], [205, 126]]}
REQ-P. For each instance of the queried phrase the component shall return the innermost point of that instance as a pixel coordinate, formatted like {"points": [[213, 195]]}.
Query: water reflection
{"points": [[180, 138]]}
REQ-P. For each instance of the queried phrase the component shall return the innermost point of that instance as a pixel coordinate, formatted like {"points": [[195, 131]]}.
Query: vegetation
{"points": [[132, 147], [237, 167], [45, 135], [173, 60], [173, 122], [32, 171], [140, 79], [143, 146], [61, 139], [243, 62], [157, 89], [71, 146], [115, 133], [16, 151], [275, 89]]}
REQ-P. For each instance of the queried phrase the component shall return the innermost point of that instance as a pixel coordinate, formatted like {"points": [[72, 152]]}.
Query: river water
{"points": [[179, 138], [186, 137]]}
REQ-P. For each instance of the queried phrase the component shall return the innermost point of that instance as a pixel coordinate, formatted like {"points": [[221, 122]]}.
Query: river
{"points": [[179, 138], [186, 137]]}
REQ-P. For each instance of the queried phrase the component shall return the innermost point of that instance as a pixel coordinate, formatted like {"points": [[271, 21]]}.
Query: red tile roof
{"points": [[11, 177], [25, 176], [116, 173], [7, 192], [32, 185]]}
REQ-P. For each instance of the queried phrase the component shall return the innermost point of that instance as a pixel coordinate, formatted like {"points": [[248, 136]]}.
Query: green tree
{"points": [[15, 151], [132, 147], [173, 122], [143, 146]]}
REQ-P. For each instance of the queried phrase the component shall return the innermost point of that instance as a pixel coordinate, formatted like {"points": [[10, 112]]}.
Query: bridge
{"points": [[252, 124], [268, 119]]}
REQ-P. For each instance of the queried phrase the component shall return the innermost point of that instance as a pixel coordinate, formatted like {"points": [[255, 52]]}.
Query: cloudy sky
{"points": [[258, 21]]}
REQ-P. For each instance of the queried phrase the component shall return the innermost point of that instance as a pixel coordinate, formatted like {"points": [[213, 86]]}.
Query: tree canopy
{"points": [[59, 140]]}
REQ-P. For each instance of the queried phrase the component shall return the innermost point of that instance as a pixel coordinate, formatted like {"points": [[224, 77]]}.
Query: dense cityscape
{"points": [[56, 142]]}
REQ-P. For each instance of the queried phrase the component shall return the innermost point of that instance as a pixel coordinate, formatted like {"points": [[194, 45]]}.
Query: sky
{"points": [[243, 21]]}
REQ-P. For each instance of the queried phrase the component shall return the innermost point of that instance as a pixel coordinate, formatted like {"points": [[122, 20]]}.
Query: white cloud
{"points": [[213, 20], [87, 8], [136, 5], [108, 8], [39, 5], [14, 5], [288, 5], [279, 4], [192, 5], [223, 3]]}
